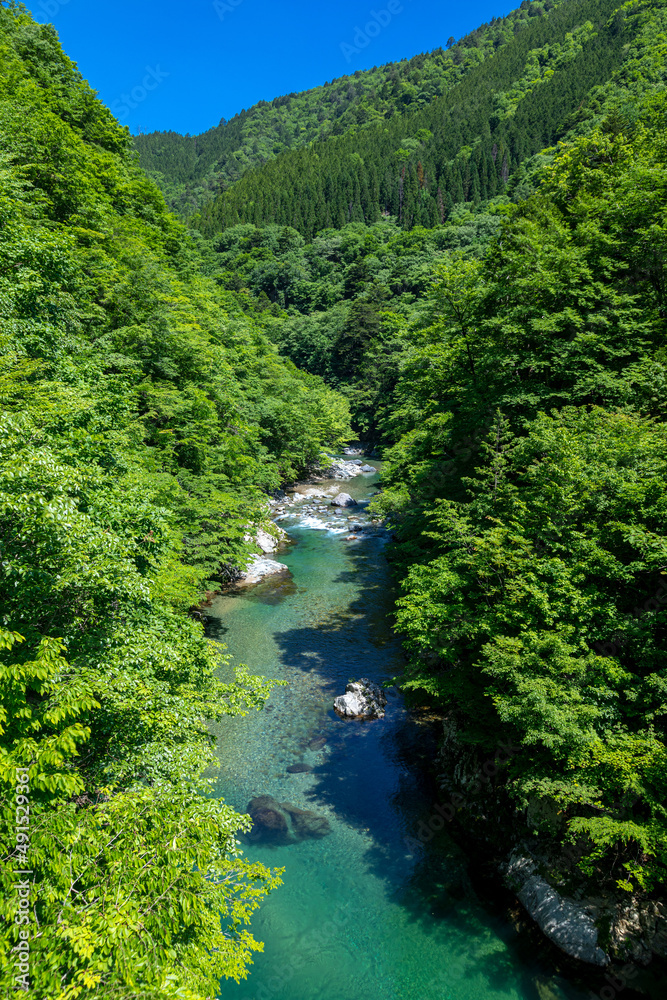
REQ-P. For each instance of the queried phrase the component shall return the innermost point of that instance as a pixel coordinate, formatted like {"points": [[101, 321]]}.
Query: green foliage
{"points": [[528, 493], [144, 418]]}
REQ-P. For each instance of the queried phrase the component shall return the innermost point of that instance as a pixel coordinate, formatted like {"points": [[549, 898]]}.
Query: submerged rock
{"points": [[307, 824], [317, 743], [299, 768], [269, 821], [362, 700], [343, 500], [281, 823]]}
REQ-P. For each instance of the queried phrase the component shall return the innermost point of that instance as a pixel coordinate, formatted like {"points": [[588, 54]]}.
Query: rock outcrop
{"points": [[260, 567], [637, 930], [362, 700], [270, 542], [267, 540], [570, 925]]}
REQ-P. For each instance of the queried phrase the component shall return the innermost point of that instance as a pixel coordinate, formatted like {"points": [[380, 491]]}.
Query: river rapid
{"points": [[368, 912]]}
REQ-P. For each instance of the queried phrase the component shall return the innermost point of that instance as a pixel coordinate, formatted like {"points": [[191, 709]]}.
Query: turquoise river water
{"points": [[366, 913]]}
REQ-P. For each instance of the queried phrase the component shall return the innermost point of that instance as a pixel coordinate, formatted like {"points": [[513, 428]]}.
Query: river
{"points": [[368, 912]]}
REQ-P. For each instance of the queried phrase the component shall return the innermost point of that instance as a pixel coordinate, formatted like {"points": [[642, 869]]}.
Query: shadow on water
{"points": [[372, 779], [429, 879]]}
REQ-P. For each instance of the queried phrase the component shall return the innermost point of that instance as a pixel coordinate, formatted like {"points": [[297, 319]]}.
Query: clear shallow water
{"points": [[363, 914]]}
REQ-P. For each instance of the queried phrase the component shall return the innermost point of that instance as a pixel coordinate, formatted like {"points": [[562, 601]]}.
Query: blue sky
{"points": [[184, 64]]}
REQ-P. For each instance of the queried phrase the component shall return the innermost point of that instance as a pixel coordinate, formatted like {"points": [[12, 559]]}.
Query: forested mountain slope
{"points": [[528, 491], [192, 169], [144, 418], [514, 100]]}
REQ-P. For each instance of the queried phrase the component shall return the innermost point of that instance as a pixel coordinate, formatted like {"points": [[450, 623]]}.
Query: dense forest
{"points": [[145, 418], [461, 258]]}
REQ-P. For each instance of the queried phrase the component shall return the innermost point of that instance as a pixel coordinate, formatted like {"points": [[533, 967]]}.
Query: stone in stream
{"points": [[362, 700], [368, 468], [299, 768], [343, 500], [259, 567], [307, 824], [269, 821], [281, 823]]}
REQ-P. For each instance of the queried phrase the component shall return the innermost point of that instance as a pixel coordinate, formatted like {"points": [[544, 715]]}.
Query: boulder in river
{"points": [[281, 823], [368, 468], [343, 500], [362, 700], [269, 820], [307, 825], [259, 567]]}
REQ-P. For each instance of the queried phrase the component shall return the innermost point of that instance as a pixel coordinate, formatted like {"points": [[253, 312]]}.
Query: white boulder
{"points": [[362, 700], [564, 921], [259, 568]]}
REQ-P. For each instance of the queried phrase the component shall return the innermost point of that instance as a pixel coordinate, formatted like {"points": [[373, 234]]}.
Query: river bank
{"points": [[363, 913]]}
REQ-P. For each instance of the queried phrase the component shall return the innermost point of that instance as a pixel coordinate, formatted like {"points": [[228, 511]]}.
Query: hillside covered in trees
{"points": [[192, 169], [144, 419], [526, 78]]}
